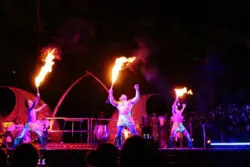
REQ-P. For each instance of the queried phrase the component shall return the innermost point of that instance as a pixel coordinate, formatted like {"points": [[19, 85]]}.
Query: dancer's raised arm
{"points": [[112, 99], [137, 94], [40, 108]]}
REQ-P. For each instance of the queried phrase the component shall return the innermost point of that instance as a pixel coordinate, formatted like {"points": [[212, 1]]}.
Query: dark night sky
{"points": [[204, 45]]}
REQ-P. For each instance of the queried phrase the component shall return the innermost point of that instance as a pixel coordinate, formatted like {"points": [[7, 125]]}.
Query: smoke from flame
{"points": [[144, 54]]}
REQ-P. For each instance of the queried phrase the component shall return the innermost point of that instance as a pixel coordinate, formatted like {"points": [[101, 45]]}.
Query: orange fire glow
{"points": [[181, 92], [120, 63], [126, 133], [49, 62]]}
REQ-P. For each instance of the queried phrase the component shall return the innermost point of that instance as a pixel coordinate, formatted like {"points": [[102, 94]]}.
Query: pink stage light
{"points": [[231, 144]]}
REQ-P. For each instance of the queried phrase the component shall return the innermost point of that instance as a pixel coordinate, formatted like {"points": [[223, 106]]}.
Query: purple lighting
{"points": [[231, 144]]}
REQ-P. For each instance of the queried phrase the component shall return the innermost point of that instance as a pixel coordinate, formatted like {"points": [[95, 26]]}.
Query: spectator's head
{"points": [[3, 157], [26, 155], [108, 154], [138, 152], [91, 158]]}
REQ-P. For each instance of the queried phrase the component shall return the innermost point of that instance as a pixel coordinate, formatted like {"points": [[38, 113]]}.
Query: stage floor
{"points": [[72, 155]]}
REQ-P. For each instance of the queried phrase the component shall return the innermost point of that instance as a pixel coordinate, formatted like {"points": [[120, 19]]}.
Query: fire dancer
{"points": [[124, 107], [32, 124], [178, 126]]}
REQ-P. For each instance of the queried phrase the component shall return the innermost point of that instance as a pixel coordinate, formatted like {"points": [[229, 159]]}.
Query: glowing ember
{"points": [[120, 64], [181, 92], [46, 68]]}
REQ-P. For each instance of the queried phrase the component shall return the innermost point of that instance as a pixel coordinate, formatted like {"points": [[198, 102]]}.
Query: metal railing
{"points": [[91, 123], [72, 131]]}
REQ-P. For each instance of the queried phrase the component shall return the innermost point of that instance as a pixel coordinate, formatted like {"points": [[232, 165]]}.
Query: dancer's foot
{"points": [[171, 143], [17, 142], [118, 142], [190, 144], [42, 143]]}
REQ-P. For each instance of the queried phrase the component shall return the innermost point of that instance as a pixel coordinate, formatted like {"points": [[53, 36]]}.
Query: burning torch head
{"points": [[123, 98], [28, 103]]}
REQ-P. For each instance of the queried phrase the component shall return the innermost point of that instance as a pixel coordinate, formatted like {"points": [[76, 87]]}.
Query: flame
{"points": [[120, 63], [181, 92], [46, 68], [126, 133], [190, 92]]}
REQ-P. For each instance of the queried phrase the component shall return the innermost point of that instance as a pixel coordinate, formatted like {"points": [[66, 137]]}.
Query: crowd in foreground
{"points": [[135, 152]]}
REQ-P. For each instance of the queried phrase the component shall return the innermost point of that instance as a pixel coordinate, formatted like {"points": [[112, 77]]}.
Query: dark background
{"points": [[202, 45]]}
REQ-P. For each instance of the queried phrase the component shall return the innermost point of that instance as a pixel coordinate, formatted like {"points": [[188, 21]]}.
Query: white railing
{"points": [[89, 125], [72, 131], [89, 130]]}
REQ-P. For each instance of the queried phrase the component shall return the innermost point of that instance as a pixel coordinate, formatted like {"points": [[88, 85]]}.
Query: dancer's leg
{"points": [[186, 134], [118, 137], [132, 129], [41, 139], [17, 140], [172, 136], [23, 133]]}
